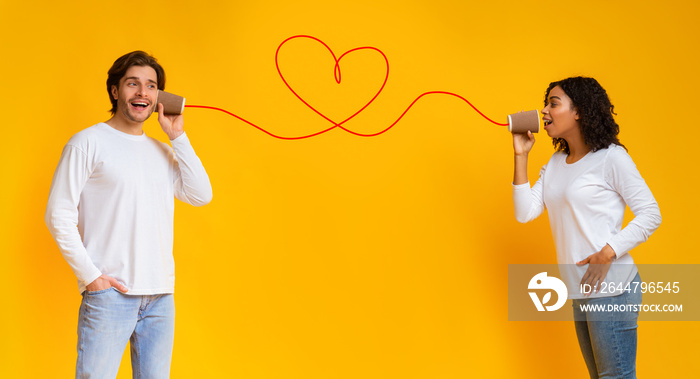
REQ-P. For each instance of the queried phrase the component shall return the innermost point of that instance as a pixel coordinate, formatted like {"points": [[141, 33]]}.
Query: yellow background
{"points": [[341, 256]]}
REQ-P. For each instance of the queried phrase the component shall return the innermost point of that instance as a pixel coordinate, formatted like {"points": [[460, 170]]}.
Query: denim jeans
{"points": [[608, 340], [109, 319]]}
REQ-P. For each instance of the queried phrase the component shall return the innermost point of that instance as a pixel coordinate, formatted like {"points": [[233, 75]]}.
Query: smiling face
{"points": [[560, 116], [136, 95]]}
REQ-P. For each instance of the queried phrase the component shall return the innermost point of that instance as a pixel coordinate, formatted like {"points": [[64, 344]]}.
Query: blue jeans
{"points": [[608, 340], [109, 319]]}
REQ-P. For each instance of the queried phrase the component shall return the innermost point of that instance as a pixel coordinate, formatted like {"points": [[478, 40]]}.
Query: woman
{"points": [[585, 187]]}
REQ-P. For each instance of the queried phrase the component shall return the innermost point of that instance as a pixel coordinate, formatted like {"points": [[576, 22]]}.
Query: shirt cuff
{"points": [[519, 186], [181, 138], [619, 252]]}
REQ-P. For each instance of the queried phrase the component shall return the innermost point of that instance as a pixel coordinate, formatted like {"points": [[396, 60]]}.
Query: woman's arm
{"points": [[528, 202], [522, 144], [623, 176]]}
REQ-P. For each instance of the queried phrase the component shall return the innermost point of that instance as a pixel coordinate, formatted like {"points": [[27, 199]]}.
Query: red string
{"points": [[337, 75]]}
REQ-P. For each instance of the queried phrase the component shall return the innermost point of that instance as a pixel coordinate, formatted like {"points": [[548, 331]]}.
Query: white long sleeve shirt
{"points": [[586, 205], [111, 206]]}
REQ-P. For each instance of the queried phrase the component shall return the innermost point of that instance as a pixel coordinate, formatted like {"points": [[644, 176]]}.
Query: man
{"points": [[110, 210]]}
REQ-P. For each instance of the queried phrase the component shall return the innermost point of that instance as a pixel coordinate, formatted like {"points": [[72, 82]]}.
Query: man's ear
{"points": [[115, 92]]}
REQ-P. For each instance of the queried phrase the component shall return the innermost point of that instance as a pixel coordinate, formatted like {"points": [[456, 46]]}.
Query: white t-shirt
{"points": [[586, 205], [111, 206]]}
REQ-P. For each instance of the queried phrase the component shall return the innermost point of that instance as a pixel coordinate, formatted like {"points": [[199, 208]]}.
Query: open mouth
{"points": [[140, 104], [547, 122]]}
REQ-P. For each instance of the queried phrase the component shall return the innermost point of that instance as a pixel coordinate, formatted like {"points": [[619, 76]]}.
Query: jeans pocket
{"points": [[634, 296], [100, 292]]}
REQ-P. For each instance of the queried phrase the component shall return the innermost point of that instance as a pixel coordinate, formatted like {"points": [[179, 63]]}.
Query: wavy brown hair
{"points": [[595, 112]]}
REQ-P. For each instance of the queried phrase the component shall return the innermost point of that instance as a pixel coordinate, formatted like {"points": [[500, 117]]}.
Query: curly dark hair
{"points": [[596, 120]]}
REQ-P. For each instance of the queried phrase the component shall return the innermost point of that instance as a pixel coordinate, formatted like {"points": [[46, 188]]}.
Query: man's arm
{"points": [[191, 180], [62, 212]]}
